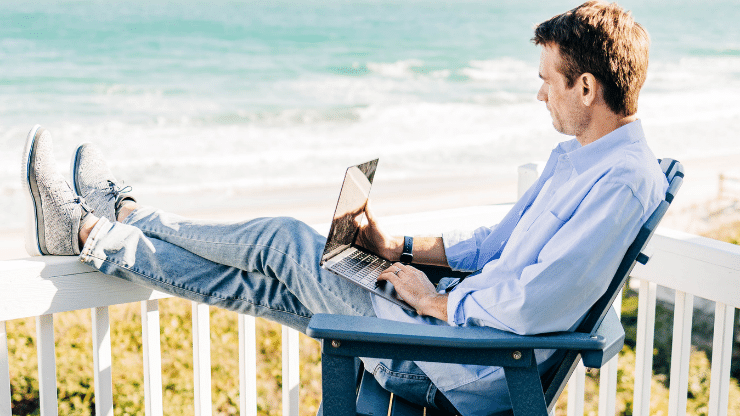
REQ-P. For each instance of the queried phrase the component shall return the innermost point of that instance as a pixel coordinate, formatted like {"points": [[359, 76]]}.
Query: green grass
{"points": [[75, 374]]}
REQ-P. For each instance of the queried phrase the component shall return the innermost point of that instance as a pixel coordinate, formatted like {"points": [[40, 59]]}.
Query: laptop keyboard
{"points": [[362, 267]]}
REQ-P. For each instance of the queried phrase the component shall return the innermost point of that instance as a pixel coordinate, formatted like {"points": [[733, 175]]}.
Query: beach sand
{"points": [[698, 208]]}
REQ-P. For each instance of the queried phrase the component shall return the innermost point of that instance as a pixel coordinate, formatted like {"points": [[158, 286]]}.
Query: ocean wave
{"points": [[503, 69], [694, 73], [398, 69]]}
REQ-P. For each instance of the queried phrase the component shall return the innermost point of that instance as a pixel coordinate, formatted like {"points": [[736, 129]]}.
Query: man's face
{"points": [[564, 103]]}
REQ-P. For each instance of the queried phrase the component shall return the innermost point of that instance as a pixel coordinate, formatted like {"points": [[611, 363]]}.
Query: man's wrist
{"points": [[395, 248], [436, 306]]}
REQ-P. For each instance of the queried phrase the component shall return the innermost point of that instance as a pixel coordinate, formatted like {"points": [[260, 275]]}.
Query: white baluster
{"points": [[576, 391], [247, 366], [5, 408], [680, 353], [102, 361], [719, 388], [47, 365], [644, 348], [152, 358], [608, 376], [291, 371], [202, 358]]}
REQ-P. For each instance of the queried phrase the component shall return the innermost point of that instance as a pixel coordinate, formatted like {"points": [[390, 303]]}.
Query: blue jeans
{"points": [[266, 267]]}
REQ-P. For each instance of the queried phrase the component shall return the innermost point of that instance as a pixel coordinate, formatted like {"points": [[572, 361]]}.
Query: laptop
{"points": [[341, 255]]}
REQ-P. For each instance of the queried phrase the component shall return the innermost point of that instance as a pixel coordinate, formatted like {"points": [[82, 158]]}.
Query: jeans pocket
{"points": [[403, 378]]}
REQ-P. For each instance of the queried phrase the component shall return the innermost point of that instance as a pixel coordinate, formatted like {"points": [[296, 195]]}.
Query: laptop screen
{"points": [[350, 211]]}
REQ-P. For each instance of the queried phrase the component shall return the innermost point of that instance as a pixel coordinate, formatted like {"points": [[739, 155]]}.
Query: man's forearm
{"points": [[426, 250]]}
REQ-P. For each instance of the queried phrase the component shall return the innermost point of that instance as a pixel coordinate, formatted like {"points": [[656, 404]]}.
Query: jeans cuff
{"points": [[102, 226]]}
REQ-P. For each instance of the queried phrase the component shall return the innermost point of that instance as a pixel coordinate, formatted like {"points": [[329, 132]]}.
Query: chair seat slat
{"points": [[372, 400], [401, 407]]}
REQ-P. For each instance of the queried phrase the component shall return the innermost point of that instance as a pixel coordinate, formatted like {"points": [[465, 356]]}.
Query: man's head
{"points": [[603, 40]]}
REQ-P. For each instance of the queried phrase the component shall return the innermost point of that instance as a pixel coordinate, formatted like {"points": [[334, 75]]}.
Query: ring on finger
{"points": [[397, 271]]}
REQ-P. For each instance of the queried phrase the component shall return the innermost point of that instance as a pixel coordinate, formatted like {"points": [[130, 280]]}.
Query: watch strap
{"points": [[408, 248]]}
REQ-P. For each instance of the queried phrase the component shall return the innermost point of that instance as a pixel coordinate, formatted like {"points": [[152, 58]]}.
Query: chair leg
{"points": [[525, 390], [338, 377]]}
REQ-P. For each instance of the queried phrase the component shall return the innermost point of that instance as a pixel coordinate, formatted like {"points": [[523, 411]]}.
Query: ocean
{"points": [[232, 97]]}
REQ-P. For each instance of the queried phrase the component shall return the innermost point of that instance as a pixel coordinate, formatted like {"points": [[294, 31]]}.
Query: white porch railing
{"points": [[41, 287]]}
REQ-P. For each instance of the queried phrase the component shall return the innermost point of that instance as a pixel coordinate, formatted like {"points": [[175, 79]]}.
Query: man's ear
{"points": [[589, 88]]}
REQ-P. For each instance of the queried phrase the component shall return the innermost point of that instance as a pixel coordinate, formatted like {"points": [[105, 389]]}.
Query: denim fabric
{"points": [[266, 267]]}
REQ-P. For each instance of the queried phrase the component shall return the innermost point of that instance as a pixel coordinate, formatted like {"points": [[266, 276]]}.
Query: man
{"points": [[539, 270]]}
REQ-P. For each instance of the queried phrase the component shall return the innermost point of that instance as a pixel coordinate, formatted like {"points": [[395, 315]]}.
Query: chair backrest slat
{"points": [[554, 381]]}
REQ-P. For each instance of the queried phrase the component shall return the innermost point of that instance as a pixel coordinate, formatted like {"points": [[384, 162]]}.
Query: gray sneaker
{"points": [[93, 180], [55, 211]]}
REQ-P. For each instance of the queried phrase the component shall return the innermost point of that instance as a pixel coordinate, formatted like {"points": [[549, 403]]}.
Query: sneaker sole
{"points": [[73, 168], [34, 238]]}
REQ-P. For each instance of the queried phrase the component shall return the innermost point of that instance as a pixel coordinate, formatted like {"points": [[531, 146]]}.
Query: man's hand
{"points": [[413, 286], [374, 239]]}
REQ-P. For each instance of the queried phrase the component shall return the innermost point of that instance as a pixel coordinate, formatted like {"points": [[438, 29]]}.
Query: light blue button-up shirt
{"points": [[551, 257]]}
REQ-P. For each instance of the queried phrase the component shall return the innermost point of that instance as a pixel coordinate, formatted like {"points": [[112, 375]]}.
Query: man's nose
{"points": [[542, 94]]}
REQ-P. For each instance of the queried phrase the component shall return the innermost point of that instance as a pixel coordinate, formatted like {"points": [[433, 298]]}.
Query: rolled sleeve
{"points": [[459, 246], [463, 248]]}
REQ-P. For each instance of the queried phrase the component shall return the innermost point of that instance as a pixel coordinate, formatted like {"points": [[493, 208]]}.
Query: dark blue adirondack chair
{"points": [[347, 391]]}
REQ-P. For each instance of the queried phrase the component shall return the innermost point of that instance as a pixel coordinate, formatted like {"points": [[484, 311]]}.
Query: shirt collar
{"points": [[584, 157]]}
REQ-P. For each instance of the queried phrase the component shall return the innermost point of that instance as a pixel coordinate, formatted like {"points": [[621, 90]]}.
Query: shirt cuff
{"points": [[455, 314], [459, 245]]}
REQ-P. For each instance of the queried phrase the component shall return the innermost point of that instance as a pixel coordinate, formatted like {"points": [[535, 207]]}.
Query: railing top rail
{"points": [[42, 285], [701, 266]]}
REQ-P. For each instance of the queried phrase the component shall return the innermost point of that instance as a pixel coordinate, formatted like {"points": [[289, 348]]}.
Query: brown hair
{"points": [[601, 39]]}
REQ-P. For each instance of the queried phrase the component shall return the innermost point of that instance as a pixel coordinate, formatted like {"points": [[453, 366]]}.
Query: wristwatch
{"points": [[408, 247]]}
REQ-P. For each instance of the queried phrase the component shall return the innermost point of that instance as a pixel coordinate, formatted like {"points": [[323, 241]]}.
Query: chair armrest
{"points": [[612, 332], [376, 330]]}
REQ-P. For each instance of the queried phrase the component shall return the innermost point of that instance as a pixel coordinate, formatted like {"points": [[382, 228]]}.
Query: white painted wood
{"points": [[5, 403], [50, 284], [152, 358], [719, 387], [291, 371], [576, 391], [43, 285], [680, 353], [706, 268], [644, 348], [528, 175], [102, 358], [608, 375], [247, 365], [47, 365], [202, 358]]}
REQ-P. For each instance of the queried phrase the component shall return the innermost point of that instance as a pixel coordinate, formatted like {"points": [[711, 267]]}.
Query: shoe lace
{"points": [[78, 200], [115, 191], [82, 203]]}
